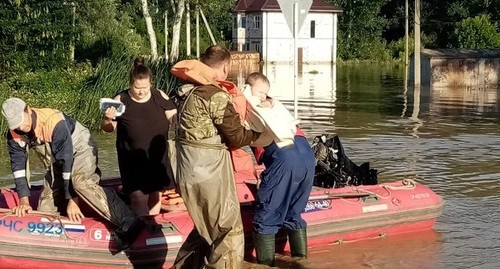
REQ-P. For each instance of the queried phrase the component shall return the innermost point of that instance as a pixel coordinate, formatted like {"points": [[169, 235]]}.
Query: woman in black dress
{"points": [[141, 140]]}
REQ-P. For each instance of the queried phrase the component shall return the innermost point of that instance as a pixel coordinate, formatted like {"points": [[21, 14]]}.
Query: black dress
{"points": [[141, 144]]}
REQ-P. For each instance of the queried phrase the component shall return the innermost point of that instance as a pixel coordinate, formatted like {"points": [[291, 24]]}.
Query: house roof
{"points": [[248, 6]]}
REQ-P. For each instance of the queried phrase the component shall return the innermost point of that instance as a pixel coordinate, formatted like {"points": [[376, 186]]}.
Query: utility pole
{"points": [[416, 55], [295, 19], [166, 34], [197, 31], [407, 40], [188, 30], [295, 59]]}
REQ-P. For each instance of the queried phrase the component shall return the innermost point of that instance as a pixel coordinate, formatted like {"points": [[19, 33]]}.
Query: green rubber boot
{"points": [[264, 246], [298, 242]]}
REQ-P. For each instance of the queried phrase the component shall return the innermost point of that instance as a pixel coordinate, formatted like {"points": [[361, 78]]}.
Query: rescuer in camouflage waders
{"points": [[207, 125]]}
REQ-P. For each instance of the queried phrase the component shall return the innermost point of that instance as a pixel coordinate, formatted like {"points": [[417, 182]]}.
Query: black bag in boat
{"points": [[334, 169]]}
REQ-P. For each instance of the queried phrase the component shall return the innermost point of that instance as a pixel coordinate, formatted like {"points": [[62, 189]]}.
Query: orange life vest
{"points": [[46, 121], [196, 72], [239, 100]]}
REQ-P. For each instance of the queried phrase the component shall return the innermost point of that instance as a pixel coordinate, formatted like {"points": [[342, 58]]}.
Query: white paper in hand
{"points": [[105, 103]]}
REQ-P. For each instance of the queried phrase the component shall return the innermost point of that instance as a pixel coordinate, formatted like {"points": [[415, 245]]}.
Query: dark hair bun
{"points": [[138, 61]]}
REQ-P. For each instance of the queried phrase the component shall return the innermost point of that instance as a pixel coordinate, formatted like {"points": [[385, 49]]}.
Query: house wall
{"points": [[255, 35], [245, 36], [279, 42], [274, 39], [238, 32]]}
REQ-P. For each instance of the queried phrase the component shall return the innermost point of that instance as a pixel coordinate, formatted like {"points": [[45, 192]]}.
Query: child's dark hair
{"points": [[140, 71], [256, 76]]}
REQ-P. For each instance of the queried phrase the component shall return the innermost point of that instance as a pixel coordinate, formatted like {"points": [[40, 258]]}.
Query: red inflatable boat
{"points": [[333, 215]]}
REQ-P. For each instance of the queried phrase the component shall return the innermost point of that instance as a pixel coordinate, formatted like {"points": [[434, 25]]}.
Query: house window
{"points": [[257, 46], [256, 22], [313, 29], [243, 22], [235, 22]]}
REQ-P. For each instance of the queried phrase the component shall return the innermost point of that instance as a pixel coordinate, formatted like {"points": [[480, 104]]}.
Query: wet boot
{"points": [[128, 232], [298, 242], [264, 246]]}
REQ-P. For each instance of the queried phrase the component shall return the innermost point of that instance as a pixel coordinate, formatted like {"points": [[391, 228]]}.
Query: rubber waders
{"points": [[264, 246], [298, 242]]}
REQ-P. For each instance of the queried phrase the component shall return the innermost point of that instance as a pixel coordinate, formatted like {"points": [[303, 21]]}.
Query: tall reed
{"points": [[77, 92]]}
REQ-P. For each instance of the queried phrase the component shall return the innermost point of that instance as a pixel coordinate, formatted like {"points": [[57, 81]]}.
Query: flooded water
{"points": [[448, 139]]}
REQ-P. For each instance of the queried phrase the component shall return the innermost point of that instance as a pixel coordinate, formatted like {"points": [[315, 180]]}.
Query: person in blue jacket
{"points": [[283, 191]]}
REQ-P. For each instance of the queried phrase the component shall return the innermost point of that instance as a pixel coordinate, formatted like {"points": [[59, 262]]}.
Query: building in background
{"points": [[259, 25]]}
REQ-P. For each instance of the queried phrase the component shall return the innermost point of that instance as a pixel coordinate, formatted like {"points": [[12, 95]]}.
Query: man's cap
{"points": [[13, 111]]}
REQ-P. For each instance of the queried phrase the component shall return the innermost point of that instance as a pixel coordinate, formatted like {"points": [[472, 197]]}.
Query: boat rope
{"points": [[378, 195], [408, 184], [348, 201], [5, 215]]}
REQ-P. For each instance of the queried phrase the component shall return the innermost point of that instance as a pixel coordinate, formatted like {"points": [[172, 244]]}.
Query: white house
{"points": [[259, 25]]}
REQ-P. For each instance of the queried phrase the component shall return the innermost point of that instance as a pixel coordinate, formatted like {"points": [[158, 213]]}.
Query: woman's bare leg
{"points": [[139, 203], [154, 203]]}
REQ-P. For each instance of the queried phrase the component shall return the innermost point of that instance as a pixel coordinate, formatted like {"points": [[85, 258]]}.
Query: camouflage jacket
{"points": [[207, 111]]}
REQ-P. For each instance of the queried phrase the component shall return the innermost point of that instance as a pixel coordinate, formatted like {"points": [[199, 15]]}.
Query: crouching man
{"points": [[69, 154]]}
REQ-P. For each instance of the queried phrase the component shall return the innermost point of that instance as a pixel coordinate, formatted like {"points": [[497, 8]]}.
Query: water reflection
{"points": [[403, 251], [416, 110], [316, 81], [464, 102], [316, 90]]}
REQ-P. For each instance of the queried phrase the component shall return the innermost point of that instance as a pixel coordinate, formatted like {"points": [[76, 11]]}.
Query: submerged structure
{"points": [[460, 68]]}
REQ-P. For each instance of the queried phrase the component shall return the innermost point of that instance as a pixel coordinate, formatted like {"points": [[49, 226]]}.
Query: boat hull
{"points": [[333, 216]]}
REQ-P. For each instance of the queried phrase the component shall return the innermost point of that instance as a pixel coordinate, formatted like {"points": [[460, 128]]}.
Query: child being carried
{"points": [[267, 115]]}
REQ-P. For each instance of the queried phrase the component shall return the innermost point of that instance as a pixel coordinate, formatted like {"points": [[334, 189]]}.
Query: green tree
{"points": [[438, 18], [220, 17], [360, 30], [35, 34], [107, 28], [477, 33]]}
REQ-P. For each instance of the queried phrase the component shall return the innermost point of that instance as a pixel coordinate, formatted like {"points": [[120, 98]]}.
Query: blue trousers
{"points": [[285, 187]]}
